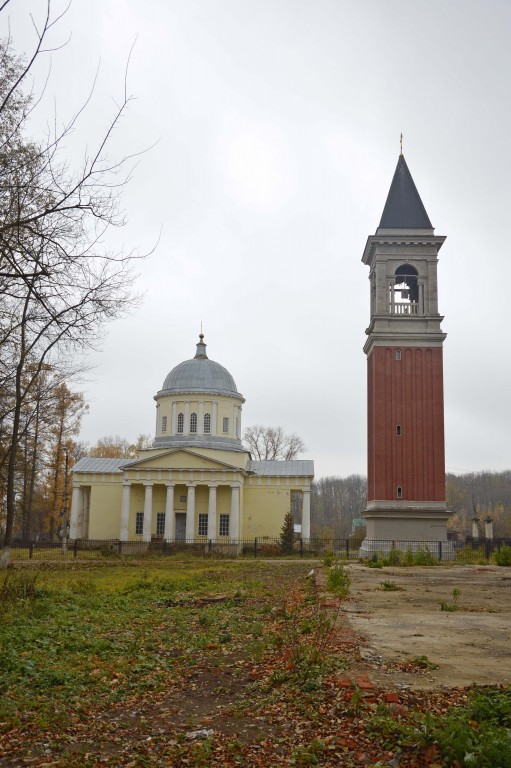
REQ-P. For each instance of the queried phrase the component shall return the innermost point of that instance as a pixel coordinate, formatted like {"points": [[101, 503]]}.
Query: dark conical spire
{"points": [[404, 208]]}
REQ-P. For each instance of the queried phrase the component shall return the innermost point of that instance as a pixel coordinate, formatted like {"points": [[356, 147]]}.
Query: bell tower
{"points": [[405, 408]]}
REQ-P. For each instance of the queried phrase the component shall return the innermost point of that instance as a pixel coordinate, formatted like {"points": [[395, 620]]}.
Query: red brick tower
{"points": [[405, 415]]}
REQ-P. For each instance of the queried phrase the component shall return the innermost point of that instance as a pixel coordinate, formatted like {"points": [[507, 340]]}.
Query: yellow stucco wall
{"points": [[264, 502], [265, 509], [105, 510], [229, 407]]}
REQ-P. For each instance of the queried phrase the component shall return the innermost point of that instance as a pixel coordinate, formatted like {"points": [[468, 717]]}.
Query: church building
{"points": [[197, 482], [404, 348]]}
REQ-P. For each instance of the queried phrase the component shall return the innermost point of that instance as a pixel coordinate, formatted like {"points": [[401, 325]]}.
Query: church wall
{"points": [[105, 510], [265, 508]]}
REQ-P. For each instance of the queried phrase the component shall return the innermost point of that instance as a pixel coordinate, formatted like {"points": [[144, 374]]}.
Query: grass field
{"points": [[202, 663]]}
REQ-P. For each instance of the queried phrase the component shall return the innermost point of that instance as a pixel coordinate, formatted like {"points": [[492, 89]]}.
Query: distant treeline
{"points": [[337, 501]]}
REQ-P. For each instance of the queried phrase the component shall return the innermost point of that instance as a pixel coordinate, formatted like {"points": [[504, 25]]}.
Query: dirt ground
{"points": [[394, 629]]}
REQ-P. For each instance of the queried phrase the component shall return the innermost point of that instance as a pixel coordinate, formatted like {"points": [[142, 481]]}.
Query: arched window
{"points": [[207, 424], [180, 423], [404, 291], [398, 354], [193, 423]]}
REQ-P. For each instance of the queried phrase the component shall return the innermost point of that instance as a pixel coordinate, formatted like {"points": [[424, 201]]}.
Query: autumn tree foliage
{"points": [[116, 447], [50, 422], [59, 283]]}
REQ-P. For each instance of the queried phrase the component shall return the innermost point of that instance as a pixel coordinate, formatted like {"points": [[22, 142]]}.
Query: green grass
{"points": [[112, 662]]}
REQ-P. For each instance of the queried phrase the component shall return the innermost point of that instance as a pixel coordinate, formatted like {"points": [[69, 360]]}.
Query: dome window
{"points": [[180, 423], [193, 423], [225, 425], [207, 424], [164, 424]]}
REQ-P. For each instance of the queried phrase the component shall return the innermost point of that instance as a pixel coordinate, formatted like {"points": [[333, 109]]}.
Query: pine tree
{"points": [[287, 535]]}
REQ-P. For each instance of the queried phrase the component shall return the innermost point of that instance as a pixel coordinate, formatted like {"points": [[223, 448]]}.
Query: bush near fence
{"points": [[471, 551]]}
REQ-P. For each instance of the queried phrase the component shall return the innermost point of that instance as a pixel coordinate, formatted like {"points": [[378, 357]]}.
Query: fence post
{"points": [[301, 547], [75, 548], [440, 551], [31, 550], [487, 547], [255, 547], [347, 549]]}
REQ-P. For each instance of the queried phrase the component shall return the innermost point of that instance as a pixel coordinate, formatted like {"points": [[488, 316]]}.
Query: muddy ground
{"points": [[398, 633]]}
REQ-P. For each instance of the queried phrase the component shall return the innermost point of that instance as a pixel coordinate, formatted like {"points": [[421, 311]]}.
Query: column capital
{"points": [[170, 483]]}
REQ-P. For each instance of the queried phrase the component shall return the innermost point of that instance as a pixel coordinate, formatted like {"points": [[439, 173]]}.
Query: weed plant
{"points": [[390, 586], [451, 607], [396, 557], [478, 735], [338, 579]]}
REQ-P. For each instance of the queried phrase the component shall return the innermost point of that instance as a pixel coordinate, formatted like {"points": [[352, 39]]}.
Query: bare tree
{"points": [[270, 443], [58, 282]]}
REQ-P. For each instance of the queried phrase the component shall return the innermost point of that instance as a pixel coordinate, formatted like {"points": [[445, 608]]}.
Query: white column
{"points": [[148, 512], [76, 522], [186, 430], [212, 513], [234, 522], [125, 511], [214, 417], [200, 425], [306, 515], [168, 533], [190, 513], [173, 426]]}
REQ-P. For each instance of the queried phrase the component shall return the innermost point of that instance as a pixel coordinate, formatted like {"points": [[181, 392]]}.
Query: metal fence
{"points": [[380, 552]]}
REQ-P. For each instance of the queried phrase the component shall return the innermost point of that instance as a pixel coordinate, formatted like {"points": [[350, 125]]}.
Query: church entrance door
{"points": [[180, 526]]}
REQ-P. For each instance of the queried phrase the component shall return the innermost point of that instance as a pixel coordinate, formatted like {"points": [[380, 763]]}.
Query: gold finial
{"points": [[401, 144], [201, 334]]}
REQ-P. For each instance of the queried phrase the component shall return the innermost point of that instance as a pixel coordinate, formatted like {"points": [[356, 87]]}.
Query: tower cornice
{"points": [[399, 239]]}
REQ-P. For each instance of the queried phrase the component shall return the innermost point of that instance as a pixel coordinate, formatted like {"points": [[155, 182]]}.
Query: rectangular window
{"points": [[398, 354], [164, 424], [399, 492], [182, 498], [223, 529], [398, 430], [225, 424], [203, 525], [139, 523], [160, 523]]}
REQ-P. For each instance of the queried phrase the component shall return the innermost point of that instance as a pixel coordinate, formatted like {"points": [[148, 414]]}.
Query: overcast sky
{"points": [[276, 127]]}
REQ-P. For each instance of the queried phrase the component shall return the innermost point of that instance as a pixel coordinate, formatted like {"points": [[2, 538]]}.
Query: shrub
{"points": [[503, 557]]}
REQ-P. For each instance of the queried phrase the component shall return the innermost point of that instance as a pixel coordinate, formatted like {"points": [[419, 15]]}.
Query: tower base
{"points": [[411, 527]]}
